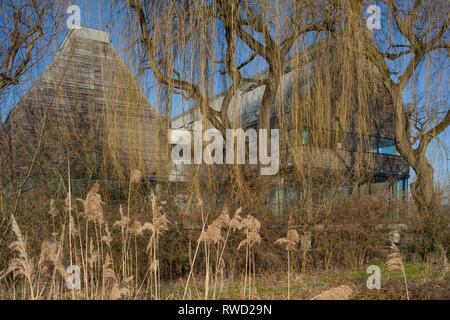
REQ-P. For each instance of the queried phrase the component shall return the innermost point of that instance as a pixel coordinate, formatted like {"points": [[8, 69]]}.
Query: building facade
{"points": [[87, 108], [331, 154]]}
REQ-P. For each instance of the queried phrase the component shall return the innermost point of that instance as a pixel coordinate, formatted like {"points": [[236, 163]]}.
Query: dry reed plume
{"points": [[332, 79], [290, 242], [395, 263], [250, 226], [23, 264]]}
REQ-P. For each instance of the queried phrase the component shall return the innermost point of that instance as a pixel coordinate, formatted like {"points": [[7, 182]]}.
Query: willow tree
{"points": [[188, 45], [414, 36]]}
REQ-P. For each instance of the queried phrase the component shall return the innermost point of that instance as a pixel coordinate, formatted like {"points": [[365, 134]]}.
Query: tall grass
{"points": [[290, 242], [123, 258], [395, 263]]}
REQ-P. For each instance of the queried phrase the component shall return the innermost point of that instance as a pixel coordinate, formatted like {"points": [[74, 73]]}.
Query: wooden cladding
{"points": [[88, 104]]}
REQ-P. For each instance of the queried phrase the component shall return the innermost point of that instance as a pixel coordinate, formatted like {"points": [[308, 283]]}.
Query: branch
{"points": [[395, 56], [405, 26], [246, 62], [8, 75], [433, 132], [191, 89]]}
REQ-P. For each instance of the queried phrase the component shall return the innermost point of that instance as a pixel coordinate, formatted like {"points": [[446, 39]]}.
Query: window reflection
{"points": [[380, 146], [386, 146], [350, 141], [370, 144]]}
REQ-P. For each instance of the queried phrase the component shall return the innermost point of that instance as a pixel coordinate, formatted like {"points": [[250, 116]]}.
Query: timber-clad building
{"points": [[90, 108], [361, 154]]}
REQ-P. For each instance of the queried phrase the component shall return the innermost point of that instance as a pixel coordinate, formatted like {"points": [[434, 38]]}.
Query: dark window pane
{"points": [[387, 146], [369, 144]]}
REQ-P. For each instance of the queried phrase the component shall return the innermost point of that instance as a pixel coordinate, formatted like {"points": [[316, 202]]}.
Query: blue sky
{"points": [[97, 14]]}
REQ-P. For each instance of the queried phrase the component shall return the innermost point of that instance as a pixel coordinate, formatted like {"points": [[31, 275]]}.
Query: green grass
{"points": [[412, 270]]}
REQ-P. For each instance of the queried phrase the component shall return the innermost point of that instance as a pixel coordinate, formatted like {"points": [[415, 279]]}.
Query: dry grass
{"points": [[340, 293], [290, 242], [127, 254], [395, 263], [125, 262], [129, 237], [23, 264]]}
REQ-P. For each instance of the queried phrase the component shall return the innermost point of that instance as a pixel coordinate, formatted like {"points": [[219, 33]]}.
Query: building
{"points": [[357, 154], [88, 108]]}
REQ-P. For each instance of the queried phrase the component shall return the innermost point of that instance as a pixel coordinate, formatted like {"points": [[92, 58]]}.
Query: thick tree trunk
{"points": [[422, 189], [267, 102], [268, 99], [431, 227]]}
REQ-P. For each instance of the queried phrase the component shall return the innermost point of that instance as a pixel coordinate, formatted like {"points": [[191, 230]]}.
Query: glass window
{"points": [[291, 194], [386, 146], [277, 196], [275, 202], [305, 136], [364, 189], [399, 189], [369, 144], [396, 189]]}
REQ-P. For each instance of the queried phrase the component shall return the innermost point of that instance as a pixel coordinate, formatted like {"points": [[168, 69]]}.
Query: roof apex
{"points": [[88, 33]]}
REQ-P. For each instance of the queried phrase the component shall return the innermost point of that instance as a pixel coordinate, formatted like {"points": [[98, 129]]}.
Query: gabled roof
{"points": [[88, 90]]}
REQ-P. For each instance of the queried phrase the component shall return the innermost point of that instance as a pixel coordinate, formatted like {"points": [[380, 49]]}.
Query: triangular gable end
{"points": [[89, 98]]}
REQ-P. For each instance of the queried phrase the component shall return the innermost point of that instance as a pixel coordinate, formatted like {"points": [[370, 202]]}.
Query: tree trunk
{"points": [[268, 99], [431, 227], [422, 189]]}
